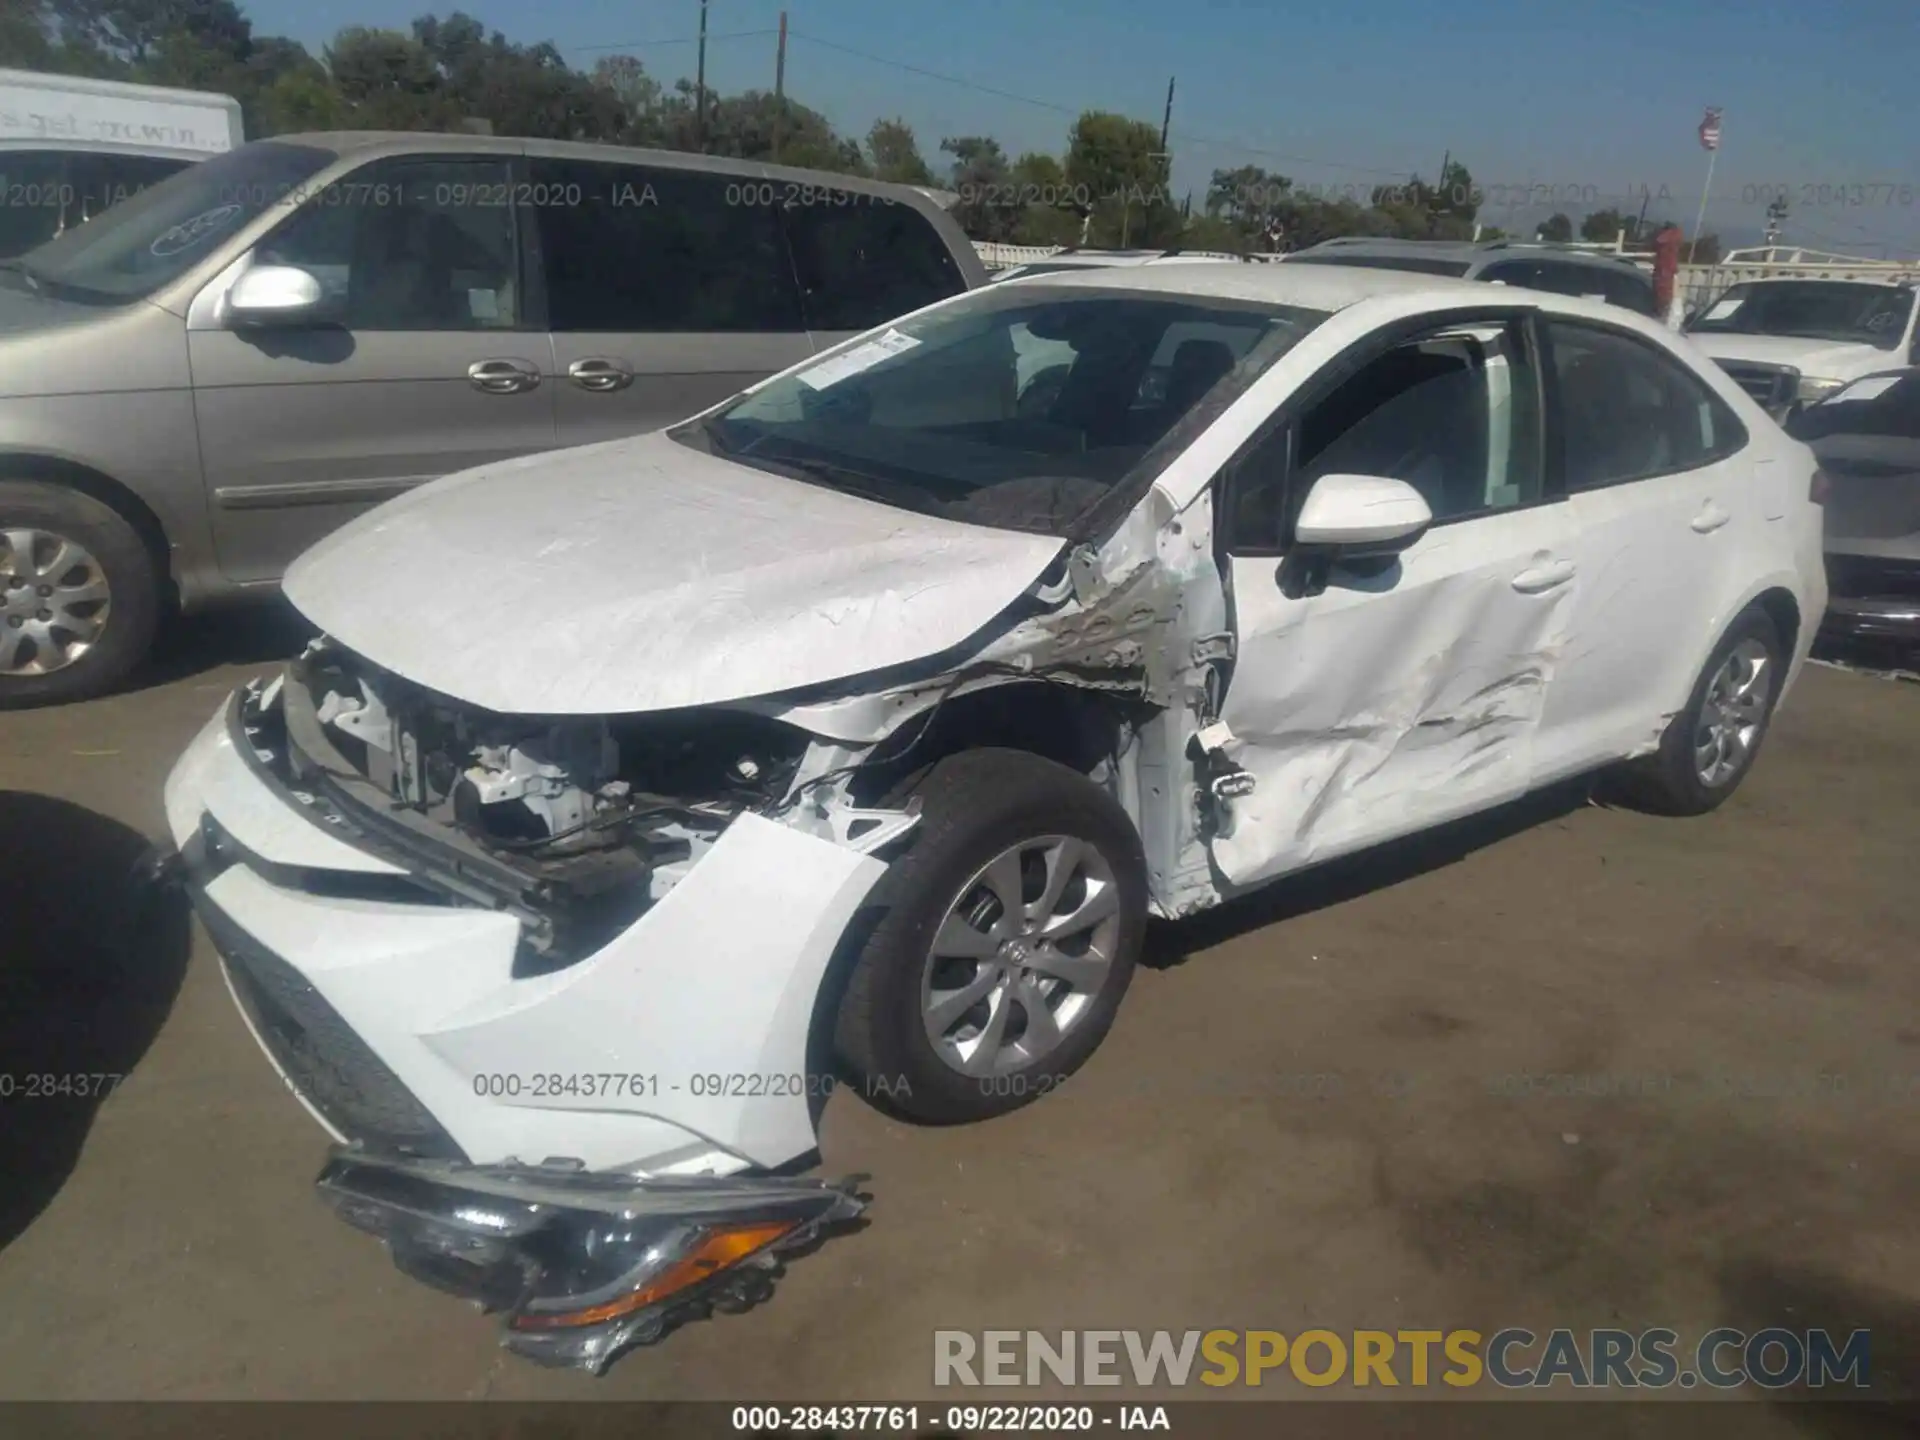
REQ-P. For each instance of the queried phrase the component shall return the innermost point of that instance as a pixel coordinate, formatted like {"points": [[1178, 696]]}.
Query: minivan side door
{"points": [[420, 362], [1374, 700], [863, 259], [667, 291]]}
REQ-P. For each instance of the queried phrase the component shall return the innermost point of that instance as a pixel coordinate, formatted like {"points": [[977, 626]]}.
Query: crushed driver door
{"points": [[1397, 694]]}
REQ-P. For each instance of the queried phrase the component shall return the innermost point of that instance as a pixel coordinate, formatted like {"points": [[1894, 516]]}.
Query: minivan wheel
{"points": [[1710, 746], [1007, 938], [79, 596]]}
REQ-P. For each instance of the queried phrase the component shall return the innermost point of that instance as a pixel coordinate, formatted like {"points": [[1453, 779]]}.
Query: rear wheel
{"points": [[79, 595], [1710, 746], [1006, 943]]}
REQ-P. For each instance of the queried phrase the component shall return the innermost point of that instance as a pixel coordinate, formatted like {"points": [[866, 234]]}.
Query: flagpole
{"points": [[1700, 220]]}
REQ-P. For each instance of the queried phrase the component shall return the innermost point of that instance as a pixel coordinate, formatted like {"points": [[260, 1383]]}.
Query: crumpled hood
{"points": [[641, 574], [1817, 359]]}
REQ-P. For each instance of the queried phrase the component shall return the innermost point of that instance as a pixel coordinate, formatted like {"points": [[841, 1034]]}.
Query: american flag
{"points": [[1710, 130]]}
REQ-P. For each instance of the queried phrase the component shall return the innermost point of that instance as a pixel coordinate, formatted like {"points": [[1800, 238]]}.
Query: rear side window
{"points": [[1629, 412], [863, 259], [1631, 292], [633, 249]]}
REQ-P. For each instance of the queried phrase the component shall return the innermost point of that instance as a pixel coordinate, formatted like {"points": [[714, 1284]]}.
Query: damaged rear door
{"points": [[1374, 699]]}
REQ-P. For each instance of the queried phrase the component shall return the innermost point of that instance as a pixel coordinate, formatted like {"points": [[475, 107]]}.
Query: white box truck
{"points": [[70, 147]]}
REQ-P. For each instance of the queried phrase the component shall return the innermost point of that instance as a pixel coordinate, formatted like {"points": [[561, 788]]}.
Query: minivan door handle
{"points": [[1710, 518], [503, 377], [1540, 578], [599, 374]]}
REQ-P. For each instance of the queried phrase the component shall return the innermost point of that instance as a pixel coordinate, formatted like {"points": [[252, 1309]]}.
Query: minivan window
{"points": [[863, 259], [35, 194], [409, 244], [136, 247], [948, 414], [642, 249]]}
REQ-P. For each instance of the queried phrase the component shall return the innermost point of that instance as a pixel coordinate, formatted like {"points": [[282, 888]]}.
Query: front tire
{"points": [[1710, 746], [1007, 939], [79, 595]]}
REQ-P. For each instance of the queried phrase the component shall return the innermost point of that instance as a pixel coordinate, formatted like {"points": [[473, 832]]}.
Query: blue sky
{"points": [[1588, 98]]}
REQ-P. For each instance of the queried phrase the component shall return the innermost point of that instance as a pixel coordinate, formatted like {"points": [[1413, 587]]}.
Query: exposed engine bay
{"points": [[577, 824]]}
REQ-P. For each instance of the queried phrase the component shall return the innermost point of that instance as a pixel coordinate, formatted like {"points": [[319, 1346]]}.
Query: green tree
{"points": [[387, 80], [1602, 225], [981, 177], [1557, 228], [637, 94], [895, 154], [1118, 163]]}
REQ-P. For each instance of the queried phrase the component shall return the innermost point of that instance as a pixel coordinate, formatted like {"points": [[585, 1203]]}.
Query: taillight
{"points": [[1821, 487]]}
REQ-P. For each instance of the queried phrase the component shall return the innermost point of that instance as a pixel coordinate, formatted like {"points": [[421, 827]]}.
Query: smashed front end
{"points": [[550, 985]]}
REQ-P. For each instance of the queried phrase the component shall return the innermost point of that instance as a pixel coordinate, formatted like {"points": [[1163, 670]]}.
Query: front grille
{"points": [[1773, 386], [328, 1063]]}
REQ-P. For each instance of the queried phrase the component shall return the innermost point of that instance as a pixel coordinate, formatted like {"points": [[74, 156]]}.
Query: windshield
{"points": [[1419, 264], [136, 247], [1020, 409], [1865, 314]]}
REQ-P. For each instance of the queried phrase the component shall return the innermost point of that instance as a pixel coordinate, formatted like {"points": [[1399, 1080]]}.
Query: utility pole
{"points": [[1439, 193], [780, 88], [1166, 121], [700, 85]]}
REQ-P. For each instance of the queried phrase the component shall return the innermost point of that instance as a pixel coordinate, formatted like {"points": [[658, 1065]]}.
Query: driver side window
{"points": [[1454, 413], [409, 245]]}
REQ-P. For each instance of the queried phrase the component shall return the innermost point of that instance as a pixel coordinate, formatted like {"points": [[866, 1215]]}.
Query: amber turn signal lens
{"points": [[718, 1248]]}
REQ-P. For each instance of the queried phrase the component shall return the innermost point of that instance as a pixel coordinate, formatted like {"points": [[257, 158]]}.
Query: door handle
{"points": [[599, 375], [1710, 518], [502, 377], [1541, 578]]}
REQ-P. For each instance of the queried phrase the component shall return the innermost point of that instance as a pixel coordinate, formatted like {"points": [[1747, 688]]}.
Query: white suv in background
{"points": [[1795, 342], [857, 726]]}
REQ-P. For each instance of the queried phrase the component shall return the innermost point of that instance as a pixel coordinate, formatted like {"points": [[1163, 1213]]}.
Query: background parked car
{"points": [[1792, 342], [333, 319], [1868, 440], [1536, 266]]}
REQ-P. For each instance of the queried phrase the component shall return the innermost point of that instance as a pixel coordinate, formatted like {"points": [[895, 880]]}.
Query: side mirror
{"points": [[1361, 516], [273, 294]]}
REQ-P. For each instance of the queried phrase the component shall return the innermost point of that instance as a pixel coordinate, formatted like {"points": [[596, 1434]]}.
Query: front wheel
{"points": [[1709, 747], [79, 595], [1007, 939]]}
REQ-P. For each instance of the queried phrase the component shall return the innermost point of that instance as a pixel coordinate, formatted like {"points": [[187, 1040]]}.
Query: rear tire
{"points": [[1710, 745], [1007, 1008], [79, 595]]}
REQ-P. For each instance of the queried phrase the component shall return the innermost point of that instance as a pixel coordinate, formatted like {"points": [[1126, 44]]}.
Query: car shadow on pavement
{"points": [[245, 635], [89, 968], [1173, 942], [1765, 1291]]}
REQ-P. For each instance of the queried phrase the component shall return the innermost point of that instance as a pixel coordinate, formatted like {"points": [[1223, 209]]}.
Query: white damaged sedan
{"points": [[857, 726]]}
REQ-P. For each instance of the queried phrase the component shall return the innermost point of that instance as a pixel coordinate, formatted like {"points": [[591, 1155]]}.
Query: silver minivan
{"points": [[200, 383]]}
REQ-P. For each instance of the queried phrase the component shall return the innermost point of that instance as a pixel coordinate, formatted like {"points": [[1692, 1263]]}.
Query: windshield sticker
{"points": [[1724, 310], [191, 232], [1867, 389], [856, 360]]}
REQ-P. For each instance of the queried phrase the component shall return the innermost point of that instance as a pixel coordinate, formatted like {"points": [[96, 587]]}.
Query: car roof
{"points": [[1311, 287], [1466, 251], [357, 143], [1894, 282]]}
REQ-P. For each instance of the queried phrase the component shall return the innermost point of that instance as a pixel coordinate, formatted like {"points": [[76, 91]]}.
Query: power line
{"points": [[676, 40], [1189, 136]]}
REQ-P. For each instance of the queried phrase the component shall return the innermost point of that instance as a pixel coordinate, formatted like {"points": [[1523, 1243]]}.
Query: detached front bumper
{"points": [[584, 1265]]}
